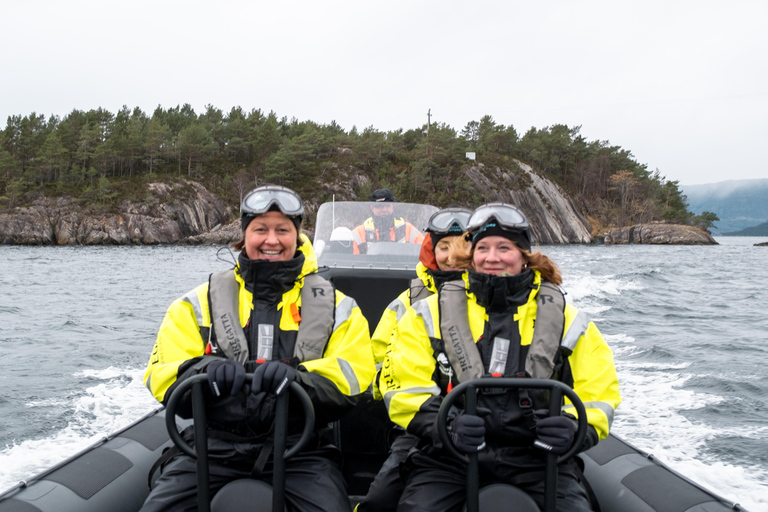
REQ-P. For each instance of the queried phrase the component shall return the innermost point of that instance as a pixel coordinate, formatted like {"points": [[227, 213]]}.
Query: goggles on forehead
{"points": [[508, 217], [449, 220], [260, 200]]}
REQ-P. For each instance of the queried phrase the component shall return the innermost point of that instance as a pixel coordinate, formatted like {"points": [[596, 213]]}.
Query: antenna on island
{"points": [[429, 119]]}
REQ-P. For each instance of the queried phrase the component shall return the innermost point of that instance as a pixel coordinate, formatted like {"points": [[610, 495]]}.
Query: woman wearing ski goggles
{"points": [[267, 215], [248, 319], [506, 317]]}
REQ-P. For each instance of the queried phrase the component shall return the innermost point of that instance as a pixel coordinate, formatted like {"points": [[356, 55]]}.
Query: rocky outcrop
{"points": [[553, 217], [764, 244], [659, 233], [219, 235], [172, 213]]}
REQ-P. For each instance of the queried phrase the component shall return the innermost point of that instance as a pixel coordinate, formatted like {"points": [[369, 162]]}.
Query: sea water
{"points": [[688, 327]]}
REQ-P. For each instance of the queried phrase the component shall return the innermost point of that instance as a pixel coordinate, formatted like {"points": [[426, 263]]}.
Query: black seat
{"points": [[505, 497], [244, 496]]}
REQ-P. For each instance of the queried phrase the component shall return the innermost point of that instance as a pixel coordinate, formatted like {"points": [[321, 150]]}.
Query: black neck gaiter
{"points": [[501, 296], [383, 225], [267, 281], [443, 276]]}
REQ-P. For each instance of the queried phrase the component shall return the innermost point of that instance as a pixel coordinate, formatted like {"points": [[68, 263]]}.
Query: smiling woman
{"points": [[249, 320], [505, 317], [270, 216], [271, 237]]}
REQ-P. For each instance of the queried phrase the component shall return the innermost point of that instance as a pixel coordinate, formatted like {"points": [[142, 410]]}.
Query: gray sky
{"points": [[681, 84]]}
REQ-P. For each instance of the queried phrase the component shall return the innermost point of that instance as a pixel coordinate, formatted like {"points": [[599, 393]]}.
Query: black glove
{"points": [[272, 377], [468, 433], [225, 377], [554, 433]]}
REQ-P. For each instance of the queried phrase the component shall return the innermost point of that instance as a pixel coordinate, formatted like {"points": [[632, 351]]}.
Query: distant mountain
{"points": [[761, 230], [739, 204]]}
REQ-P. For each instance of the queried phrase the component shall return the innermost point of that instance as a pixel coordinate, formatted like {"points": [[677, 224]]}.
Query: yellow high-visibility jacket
{"points": [[338, 378], [412, 396], [394, 312]]}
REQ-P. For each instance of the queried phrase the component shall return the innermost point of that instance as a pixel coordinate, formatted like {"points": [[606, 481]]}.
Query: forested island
{"points": [[110, 164]]}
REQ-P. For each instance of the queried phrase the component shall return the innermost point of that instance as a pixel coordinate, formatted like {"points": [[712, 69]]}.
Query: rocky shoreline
{"points": [[659, 233], [186, 213], [161, 220]]}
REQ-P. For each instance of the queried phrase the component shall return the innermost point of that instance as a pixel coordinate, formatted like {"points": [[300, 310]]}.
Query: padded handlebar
{"points": [[501, 382], [469, 388], [201, 380]]}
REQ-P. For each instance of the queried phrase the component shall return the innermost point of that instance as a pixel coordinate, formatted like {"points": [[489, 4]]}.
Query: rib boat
{"points": [[113, 474]]}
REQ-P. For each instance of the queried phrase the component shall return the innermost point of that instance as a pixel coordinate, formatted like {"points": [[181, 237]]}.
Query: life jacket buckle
{"points": [[492, 391]]}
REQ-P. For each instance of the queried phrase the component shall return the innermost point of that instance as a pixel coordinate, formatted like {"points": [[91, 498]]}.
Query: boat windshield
{"points": [[349, 234]]}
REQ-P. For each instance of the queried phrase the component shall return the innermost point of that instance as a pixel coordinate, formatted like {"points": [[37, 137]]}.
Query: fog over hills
{"points": [[739, 203]]}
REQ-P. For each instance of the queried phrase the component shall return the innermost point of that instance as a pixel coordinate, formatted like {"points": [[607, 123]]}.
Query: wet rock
{"points": [[659, 233], [553, 216], [164, 219]]}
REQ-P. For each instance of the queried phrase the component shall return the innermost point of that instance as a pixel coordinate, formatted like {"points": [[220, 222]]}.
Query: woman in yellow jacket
{"points": [[271, 315], [506, 317], [442, 248]]}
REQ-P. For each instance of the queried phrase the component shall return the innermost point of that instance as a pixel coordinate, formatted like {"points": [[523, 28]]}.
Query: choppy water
{"points": [[688, 327]]}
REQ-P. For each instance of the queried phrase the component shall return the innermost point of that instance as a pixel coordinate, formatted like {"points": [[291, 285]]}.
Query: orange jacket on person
{"points": [[402, 231]]}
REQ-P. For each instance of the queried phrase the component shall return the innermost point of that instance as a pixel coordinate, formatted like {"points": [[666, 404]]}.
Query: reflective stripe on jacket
{"points": [[421, 287], [408, 368]]}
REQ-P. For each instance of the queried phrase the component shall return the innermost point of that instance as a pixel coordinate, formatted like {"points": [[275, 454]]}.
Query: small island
{"points": [[174, 176]]}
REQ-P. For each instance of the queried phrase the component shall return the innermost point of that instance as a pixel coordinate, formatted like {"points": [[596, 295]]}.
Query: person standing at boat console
{"points": [[506, 317], [383, 226], [271, 315]]}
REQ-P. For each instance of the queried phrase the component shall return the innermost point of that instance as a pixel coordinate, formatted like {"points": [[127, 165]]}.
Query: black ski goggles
{"points": [[508, 217], [449, 220], [263, 199]]}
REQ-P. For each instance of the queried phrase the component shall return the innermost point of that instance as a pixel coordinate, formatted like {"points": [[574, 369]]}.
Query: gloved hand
{"points": [[554, 433], [225, 377], [272, 377], [468, 432]]}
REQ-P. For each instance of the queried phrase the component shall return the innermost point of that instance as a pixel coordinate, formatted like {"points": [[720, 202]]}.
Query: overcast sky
{"points": [[681, 84]]}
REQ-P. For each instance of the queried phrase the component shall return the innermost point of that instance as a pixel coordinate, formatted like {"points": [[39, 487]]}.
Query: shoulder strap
{"points": [[456, 333], [418, 290], [460, 345], [550, 324], [318, 307], [224, 304]]}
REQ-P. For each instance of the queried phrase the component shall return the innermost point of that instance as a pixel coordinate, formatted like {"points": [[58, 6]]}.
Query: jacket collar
{"points": [[498, 293], [433, 279]]}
